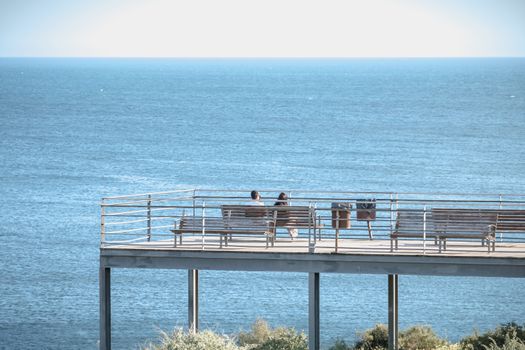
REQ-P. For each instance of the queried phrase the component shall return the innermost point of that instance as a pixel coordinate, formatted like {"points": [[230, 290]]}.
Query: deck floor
{"points": [[257, 244]]}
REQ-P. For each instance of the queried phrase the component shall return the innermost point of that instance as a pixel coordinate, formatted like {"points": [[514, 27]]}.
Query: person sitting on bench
{"points": [[283, 200], [256, 198]]}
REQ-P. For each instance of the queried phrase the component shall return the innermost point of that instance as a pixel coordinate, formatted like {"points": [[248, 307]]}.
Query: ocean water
{"points": [[75, 130]]}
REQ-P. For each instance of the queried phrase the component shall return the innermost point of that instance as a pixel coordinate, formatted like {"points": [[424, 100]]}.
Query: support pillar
{"points": [[392, 312], [105, 307], [193, 300], [313, 311]]}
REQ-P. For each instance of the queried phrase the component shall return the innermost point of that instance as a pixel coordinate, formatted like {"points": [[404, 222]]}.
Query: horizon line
{"points": [[263, 57]]}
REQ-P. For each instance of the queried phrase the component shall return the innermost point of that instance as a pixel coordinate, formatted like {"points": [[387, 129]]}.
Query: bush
{"points": [[512, 342], [263, 337], [448, 346], [340, 345], [419, 338], [180, 340], [496, 337], [374, 338], [259, 333], [284, 339], [413, 338]]}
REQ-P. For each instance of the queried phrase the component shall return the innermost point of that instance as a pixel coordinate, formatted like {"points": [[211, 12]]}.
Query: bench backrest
{"points": [[414, 222], [248, 216], [464, 221], [511, 221], [280, 215], [295, 216]]}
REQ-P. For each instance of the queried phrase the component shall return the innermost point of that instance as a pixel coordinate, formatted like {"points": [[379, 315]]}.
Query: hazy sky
{"points": [[262, 28]]}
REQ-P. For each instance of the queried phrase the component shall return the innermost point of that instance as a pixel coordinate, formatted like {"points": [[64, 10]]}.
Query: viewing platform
{"points": [[313, 232]]}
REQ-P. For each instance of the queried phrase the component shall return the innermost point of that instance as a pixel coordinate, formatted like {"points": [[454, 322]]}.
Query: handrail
{"points": [[153, 215], [145, 194]]}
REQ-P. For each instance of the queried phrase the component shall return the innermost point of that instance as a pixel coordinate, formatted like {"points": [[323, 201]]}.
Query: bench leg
{"points": [[391, 245], [491, 245], [175, 240], [439, 240], [444, 244], [396, 245]]}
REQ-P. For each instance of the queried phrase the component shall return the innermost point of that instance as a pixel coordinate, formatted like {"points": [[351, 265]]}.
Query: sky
{"points": [[262, 28]]}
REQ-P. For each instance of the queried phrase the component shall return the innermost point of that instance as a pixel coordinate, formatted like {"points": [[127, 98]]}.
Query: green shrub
{"points": [[284, 339], [340, 345], [512, 342], [413, 338], [374, 338], [259, 332], [204, 340], [262, 337], [449, 346], [498, 336], [419, 338]]}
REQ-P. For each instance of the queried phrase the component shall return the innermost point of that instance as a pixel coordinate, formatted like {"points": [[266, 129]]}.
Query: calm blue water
{"points": [[74, 130]]}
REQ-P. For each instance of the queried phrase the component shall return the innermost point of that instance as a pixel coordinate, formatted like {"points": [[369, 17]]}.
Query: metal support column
{"points": [[392, 312], [105, 307], [193, 300], [313, 311]]}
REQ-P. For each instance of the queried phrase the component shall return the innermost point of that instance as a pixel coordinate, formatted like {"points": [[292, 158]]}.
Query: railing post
{"points": [[102, 222], [424, 229], [500, 207], [391, 214], [337, 229], [194, 204], [105, 307], [311, 244], [203, 223], [149, 217]]}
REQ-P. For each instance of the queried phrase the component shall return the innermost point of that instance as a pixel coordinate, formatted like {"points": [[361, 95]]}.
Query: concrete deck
{"points": [[354, 256]]}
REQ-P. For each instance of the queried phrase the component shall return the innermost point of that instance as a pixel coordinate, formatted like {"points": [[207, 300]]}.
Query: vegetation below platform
{"points": [[261, 336]]}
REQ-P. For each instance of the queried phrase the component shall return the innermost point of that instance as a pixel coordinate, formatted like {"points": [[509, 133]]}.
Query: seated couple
{"points": [[281, 200]]}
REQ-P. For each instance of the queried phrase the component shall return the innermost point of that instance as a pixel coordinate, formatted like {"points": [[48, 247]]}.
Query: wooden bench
{"points": [[198, 225], [511, 221], [250, 219], [413, 224], [247, 220], [295, 216], [298, 217], [236, 219], [451, 223]]}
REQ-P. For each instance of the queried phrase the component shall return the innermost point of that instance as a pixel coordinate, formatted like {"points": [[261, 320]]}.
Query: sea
{"points": [[73, 130]]}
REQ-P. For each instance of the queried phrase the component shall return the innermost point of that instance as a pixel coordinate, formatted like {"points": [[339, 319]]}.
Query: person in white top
{"points": [[256, 198]]}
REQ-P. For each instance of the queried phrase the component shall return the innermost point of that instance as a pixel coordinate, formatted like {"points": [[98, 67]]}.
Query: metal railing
{"points": [[344, 221]]}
